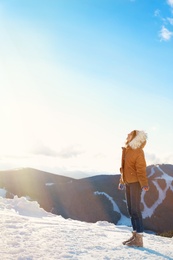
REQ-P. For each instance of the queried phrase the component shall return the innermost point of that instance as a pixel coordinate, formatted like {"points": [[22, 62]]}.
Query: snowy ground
{"points": [[28, 233]]}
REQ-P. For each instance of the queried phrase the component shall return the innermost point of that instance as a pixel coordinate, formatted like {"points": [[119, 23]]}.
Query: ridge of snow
{"points": [[123, 219], [23, 207]]}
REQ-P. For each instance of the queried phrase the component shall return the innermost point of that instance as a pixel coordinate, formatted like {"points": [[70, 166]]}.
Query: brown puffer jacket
{"points": [[133, 168]]}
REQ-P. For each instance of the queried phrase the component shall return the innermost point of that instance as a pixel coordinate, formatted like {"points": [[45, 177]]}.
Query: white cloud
{"points": [[151, 158], [165, 34], [66, 152], [168, 159], [69, 152], [170, 2], [42, 149], [157, 13], [170, 20]]}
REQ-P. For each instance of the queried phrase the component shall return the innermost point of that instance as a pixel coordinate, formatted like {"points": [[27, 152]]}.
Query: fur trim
{"points": [[139, 140]]}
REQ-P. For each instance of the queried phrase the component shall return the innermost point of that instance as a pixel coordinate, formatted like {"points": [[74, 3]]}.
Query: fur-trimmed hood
{"points": [[139, 141]]}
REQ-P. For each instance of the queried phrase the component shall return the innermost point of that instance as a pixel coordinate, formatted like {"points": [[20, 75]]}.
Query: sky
{"points": [[28, 233], [77, 76]]}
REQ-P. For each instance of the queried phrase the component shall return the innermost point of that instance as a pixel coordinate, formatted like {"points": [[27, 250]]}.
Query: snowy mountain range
{"points": [[94, 198]]}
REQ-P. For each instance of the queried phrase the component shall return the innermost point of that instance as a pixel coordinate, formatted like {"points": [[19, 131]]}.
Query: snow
{"points": [[28, 233], [123, 220], [2, 192], [49, 184], [149, 211]]}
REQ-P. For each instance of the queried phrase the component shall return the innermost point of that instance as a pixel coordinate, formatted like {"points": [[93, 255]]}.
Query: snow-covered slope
{"points": [[30, 233]]}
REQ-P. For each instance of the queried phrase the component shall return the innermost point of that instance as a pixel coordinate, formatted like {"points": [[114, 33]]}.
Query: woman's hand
{"points": [[145, 188], [121, 186]]}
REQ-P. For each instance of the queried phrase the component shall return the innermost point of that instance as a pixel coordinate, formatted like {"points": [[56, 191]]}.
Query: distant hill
{"points": [[94, 198]]}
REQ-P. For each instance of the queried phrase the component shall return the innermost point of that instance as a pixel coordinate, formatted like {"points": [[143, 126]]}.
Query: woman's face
{"points": [[129, 137]]}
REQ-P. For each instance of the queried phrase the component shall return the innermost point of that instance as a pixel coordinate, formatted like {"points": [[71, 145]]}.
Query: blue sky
{"points": [[77, 76]]}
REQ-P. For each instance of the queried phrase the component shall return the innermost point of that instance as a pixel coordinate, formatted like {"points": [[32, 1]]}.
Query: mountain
{"points": [[94, 198]]}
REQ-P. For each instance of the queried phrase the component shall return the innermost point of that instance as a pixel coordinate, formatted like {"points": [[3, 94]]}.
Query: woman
{"points": [[133, 176]]}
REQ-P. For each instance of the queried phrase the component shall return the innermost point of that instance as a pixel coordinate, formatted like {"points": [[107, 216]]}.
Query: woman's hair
{"points": [[134, 134]]}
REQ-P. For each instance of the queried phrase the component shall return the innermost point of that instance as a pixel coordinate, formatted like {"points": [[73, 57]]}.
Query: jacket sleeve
{"points": [[121, 177], [141, 169], [122, 166]]}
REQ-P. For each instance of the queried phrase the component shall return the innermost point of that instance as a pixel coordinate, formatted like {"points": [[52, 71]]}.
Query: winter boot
{"points": [[131, 238], [136, 241]]}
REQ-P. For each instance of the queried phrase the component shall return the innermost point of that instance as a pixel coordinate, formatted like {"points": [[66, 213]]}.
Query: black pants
{"points": [[133, 197]]}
